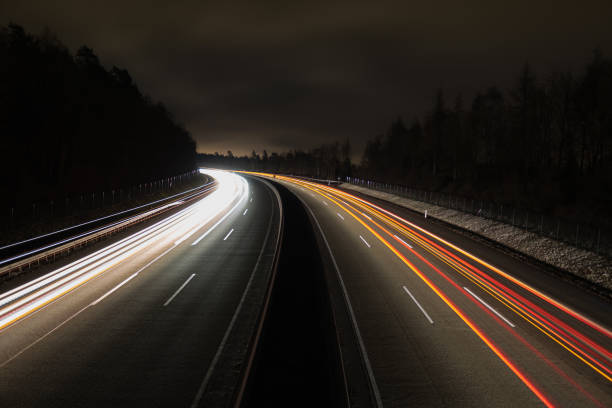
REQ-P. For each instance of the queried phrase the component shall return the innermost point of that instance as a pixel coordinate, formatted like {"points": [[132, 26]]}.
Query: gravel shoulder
{"points": [[587, 265]]}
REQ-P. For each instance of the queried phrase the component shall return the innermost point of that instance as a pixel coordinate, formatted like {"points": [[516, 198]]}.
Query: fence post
{"points": [[577, 225], [541, 223]]}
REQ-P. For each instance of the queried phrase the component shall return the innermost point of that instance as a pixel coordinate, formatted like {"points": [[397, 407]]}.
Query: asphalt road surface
{"points": [[145, 326], [448, 321]]}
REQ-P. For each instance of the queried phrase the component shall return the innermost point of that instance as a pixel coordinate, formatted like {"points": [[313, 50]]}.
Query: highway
{"points": [[164, 313], [449, 321], [149, 318]]}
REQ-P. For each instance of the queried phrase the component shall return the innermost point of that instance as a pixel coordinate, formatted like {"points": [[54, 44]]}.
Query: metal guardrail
{"points": [[20, 265]]}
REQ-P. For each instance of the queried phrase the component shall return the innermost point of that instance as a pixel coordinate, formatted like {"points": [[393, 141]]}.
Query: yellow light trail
{"points": [[528, 316], [545, 400]]}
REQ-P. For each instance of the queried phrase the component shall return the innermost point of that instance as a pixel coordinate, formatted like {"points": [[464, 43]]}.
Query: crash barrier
{"points": [[18, 264]]}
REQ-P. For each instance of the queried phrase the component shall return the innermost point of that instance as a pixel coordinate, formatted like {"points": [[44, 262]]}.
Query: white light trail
{"points": [[19, 302]]}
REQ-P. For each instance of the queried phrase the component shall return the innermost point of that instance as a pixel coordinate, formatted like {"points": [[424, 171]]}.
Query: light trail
{"points": [[569, 338], [98, 220], [544, 321], [20, 302]]}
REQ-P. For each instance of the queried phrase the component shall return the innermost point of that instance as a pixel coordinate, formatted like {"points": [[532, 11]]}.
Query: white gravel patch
{"points": [[586, 264]]}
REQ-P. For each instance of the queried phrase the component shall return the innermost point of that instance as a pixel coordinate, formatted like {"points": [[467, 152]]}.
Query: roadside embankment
{"points": [[582, 264]]}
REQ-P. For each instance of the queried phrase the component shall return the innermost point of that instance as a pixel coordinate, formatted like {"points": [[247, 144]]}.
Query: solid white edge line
{"points": [[41, 338], [367, 216], [179, 289], [228, 234], [418, 304], [404, 242], [23, 350], [366, 359], [506, 275], [325, 202], [340, 215], [489, 307], [364, 241], [105, 217], [211, 368]]}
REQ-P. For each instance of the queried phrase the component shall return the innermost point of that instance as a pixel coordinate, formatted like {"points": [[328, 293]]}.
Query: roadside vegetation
{"points": [[71, 127], [544, 145]]}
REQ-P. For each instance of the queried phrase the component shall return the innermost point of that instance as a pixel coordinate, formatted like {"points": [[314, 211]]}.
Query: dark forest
{"points": [[70, 126], [545, 144]]}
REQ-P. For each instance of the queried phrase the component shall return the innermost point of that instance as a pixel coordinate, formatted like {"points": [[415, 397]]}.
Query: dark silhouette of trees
{"points": [[328, 161], [545, 145], [69, 125]]}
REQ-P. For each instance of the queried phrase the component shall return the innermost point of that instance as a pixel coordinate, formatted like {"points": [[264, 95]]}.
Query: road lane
{"points": [[470, 356], [124, 339]]}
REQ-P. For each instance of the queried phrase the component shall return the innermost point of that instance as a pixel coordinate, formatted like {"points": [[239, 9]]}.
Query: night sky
{"points": [[270, 75]]}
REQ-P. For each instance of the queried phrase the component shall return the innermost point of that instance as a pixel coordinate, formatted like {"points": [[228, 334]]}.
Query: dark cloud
{"points": [[275, 74]]}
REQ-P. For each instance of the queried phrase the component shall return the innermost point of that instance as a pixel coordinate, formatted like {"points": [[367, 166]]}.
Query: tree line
{"points": [[327, 161], [545, 144], [71, 126]]}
